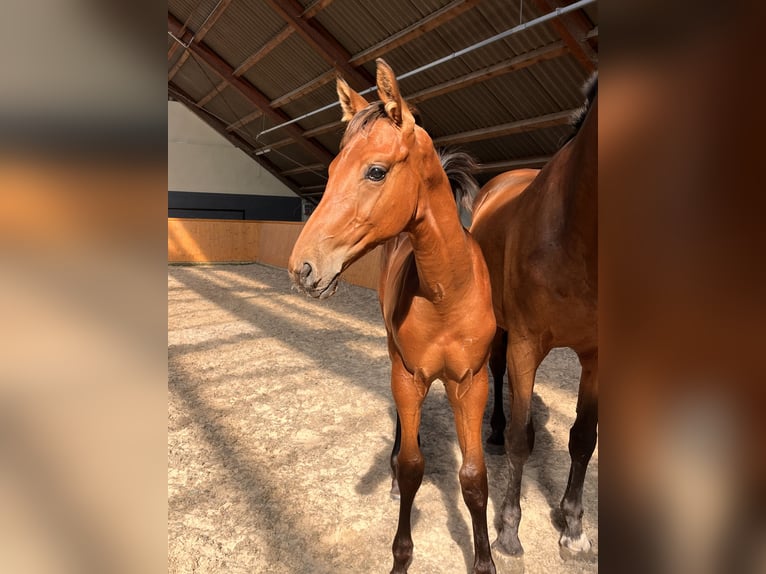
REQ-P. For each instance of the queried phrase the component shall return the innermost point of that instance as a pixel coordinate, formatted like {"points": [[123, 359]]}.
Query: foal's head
{"points": [[372, 194]]}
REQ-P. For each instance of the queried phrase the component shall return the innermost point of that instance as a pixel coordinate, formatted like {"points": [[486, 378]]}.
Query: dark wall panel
{"points": [[233, 206]]}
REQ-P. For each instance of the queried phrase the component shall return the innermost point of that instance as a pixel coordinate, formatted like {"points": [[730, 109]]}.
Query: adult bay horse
{"points": [[538, 233], [387, 186]]}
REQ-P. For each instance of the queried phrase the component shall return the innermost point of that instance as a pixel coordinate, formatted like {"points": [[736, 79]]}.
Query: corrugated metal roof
{"points": [[245, 26], [242, 30]]}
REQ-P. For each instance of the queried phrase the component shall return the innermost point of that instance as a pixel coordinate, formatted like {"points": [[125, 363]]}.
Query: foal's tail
{"points": [[459, 167]]}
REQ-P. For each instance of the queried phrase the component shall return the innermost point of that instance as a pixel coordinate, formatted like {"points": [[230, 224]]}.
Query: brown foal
{"points": [[387, 185]]}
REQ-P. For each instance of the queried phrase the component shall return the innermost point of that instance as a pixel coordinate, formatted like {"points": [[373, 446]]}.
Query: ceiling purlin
{"points": [[417, 29], [244, 121], [546, 121], [264, 50], [527, 59], [212, 18], [326, 45], [174, 48], [315, 8], [580, 49], [211, 94], [248, 90]]}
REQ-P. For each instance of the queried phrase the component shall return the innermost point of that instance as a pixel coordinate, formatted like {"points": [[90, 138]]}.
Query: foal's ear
{"points": [[388, 90], [350, 101]]}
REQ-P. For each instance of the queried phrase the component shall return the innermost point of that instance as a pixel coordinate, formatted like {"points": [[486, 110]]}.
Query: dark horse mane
{"points": [[459, 167], [590, 89], [456, 164]]}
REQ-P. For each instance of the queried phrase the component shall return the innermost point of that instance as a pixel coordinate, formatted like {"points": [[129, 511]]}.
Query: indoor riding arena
{"points": [[281, 419]]}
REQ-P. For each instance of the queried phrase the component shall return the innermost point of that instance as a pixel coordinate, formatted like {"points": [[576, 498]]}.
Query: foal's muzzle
{"points": [[307, 280]]}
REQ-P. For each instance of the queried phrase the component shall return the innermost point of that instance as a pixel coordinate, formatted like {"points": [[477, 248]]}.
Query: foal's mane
{"points": [[362, 119], [459, 167]]}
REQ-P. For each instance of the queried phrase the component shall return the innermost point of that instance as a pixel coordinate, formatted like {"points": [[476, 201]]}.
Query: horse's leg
{"points": [[582, 441], [409, 391], [497, 366], [523, 359], [468, 398], [394, 457]]}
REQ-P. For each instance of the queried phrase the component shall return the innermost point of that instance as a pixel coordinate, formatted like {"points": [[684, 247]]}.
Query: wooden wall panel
{"points": [[269, 242], [212, 240], [277, 240]]}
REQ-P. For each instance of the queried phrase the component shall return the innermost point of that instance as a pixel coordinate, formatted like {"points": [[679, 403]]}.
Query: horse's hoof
{"points": [[508, 548], [575, 548], [578, 544], [509, 564]]}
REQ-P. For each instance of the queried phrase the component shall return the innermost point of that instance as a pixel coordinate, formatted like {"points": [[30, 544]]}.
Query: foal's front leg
{"points": [[409, 392], [468, 398]]}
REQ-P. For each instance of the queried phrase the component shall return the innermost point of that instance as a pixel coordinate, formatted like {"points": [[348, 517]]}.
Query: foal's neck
{"points": [[440, 245]]}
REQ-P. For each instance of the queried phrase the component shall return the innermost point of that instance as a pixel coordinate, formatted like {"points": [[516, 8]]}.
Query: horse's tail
{"points": [[459, 167]]}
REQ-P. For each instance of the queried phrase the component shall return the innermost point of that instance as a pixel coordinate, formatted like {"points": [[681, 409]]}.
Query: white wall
{"points": [[199, 159]]}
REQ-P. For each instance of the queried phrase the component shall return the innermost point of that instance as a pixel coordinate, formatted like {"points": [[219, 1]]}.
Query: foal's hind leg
{"points": [[523, 359], [468, 398], [409, 392], [497, 366], [582, 442]]}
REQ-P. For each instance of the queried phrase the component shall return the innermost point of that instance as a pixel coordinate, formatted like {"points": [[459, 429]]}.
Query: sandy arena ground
{"points": [[280, 426]]}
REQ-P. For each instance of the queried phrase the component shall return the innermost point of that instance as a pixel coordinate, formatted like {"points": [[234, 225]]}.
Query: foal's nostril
{"points": [[305, 271]]}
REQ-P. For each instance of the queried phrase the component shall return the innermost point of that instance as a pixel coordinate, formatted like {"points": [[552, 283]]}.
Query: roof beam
{"points": [[285, 33], [304, 169], [212, 18], [211, 94], [277, 144], [526, 125], [174, 47], [516, 63], [179, 63], [244, 120], [217, 12], [326, 46], [419, 28], [548, 52], [315, 8], [301, 91], [249, 91], [323, 129], [580, 50], [237, 140]]}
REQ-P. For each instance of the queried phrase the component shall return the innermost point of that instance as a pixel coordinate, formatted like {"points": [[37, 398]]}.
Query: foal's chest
{"points": [[440, 347]]}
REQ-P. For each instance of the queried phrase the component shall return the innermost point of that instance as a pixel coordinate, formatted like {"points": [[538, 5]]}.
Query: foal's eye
{"points": [[376, 173]]}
